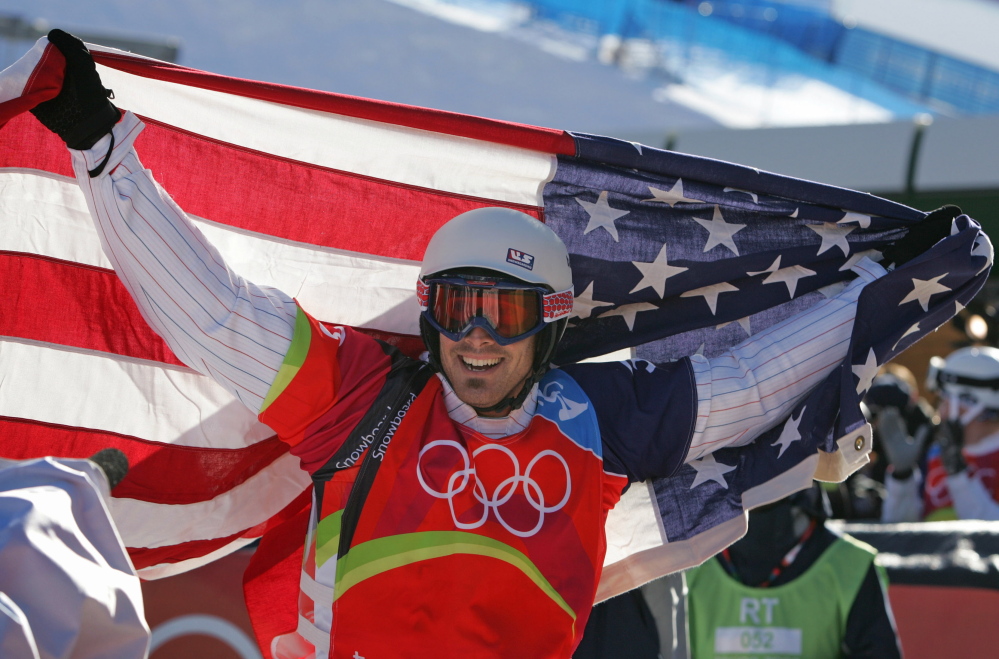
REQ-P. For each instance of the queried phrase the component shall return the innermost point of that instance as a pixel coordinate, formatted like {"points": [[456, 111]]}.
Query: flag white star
{"points": [[911, 330], [795, 213], [584, 304], [866, 372], [863, 220], [709, 469], [656, 273], [720, 232], [711, 293], [638, 147], [832, 236], [789, 276], [672, 196], [756, 198], [958, 307], [923, 290], [743, 323], [983, 247], [629, 311], [872, 254], [789, 434], [700, 350], [774, 267], [601, 215]]}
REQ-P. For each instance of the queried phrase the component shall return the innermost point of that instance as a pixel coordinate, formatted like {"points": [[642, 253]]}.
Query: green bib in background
{"points": [[805, 618]]}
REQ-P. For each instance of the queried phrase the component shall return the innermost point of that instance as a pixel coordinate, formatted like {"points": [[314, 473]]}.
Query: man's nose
{"points": [[479, 337]]}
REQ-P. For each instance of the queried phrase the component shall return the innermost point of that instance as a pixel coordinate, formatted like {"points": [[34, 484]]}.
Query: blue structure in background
{"points": [[919, 73], [936, 81]]}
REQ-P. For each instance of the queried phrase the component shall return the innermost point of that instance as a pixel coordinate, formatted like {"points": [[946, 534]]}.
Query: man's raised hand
{"points": [[921, 236], [81, 113]]}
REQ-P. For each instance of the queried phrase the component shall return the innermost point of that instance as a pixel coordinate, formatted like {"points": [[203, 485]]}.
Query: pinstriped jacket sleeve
{"points": [[215, 321], [748, 389], [655, 417]]}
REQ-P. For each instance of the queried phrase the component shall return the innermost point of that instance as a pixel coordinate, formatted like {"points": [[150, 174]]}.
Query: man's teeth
{"points": [[480, 363]]}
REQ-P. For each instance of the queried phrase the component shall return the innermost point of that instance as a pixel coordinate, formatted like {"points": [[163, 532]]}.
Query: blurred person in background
{"points": [[67, 586], [961, 471], [792, 587], [894, 408], [633, 625], [622, 627], [894, 395]]}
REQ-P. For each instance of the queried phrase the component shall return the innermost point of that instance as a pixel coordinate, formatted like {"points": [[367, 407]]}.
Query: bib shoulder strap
{"points": [[406, 379]]}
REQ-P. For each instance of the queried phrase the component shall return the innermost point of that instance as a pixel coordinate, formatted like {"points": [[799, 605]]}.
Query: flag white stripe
{"points": [[46, 214], [260, 497], [133, 397], [163, 570], [15, 77], [393, 153], [334, 285]]}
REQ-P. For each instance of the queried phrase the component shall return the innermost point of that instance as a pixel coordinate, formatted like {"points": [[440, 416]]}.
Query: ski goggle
{"points": [[508, 312]]}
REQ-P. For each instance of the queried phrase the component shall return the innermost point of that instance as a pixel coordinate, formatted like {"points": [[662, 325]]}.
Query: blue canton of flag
{"points": [[676, 255]]}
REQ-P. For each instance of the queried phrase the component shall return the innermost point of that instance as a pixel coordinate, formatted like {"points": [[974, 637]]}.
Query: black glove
{"points": [[922, 236], [81, 114], [950, 439]]}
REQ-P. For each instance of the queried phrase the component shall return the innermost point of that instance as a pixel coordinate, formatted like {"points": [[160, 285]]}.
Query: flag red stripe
{"points": [[43, 84], [86, 307], [271, 581], [158, 473], [268, 194], [409, 345], [24, 142], [143, 557], [75, 305], [547, 140]]}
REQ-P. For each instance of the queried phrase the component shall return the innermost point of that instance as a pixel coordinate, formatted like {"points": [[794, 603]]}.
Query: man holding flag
{"points": [[460, 503]]}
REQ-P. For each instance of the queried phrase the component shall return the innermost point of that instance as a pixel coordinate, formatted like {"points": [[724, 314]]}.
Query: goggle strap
{"points": [[557, 305], [423, 294]]}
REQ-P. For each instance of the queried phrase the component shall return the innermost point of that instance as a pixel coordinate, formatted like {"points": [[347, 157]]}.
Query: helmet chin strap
{"points": [[510, 403], [970, 414]]}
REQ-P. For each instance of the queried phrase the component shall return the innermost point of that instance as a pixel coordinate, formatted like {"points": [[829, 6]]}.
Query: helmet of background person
{"points": [[971, 374]]}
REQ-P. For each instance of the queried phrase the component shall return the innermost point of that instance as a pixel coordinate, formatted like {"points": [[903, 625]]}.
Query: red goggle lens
{"points": [[510, 311]]}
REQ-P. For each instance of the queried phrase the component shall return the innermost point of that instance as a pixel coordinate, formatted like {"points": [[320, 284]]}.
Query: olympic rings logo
{"points": [[502, 493]]}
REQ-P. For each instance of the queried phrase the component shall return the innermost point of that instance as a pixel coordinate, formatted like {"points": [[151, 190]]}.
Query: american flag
{"points": [[333, 199]]}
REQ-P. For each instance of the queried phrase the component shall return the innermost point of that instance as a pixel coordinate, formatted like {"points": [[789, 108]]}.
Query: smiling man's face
{"points": [[482, 371]]}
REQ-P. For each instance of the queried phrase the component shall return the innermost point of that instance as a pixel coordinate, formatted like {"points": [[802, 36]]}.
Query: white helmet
{"points": [[501, 240], [971, 374]]}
